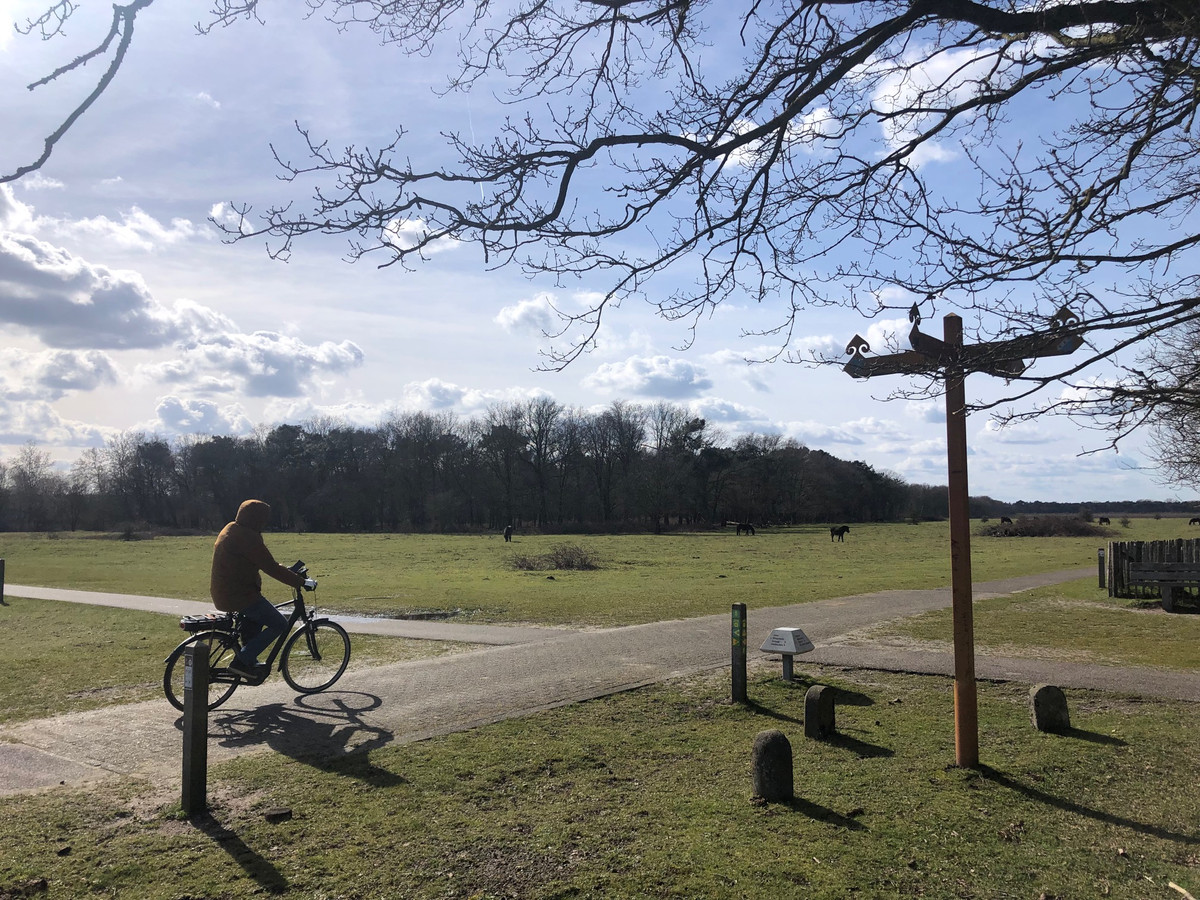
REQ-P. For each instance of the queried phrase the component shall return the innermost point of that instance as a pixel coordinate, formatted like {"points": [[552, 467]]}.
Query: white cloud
{"points": [[51, 374], [534, 315], [729, 413], [354, 414], [137, 230], [433, 394], [814, 128], [263, 364], [70, 303], [227, 218], [436, 395], [405, 234], [888, 335], [1018, 433], [14, 215], [38, 421], [928, 411], [180, 416], [39, 182], [929, 81], [206, 98], [654, 376]]}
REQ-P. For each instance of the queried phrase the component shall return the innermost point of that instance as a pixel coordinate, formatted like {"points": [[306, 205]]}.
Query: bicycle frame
{"points": [[300, 613]]}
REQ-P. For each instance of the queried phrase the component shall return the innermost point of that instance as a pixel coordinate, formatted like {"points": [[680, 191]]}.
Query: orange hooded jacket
{"points": [[240, 555]]}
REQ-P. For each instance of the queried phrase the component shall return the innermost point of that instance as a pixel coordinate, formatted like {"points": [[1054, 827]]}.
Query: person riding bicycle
{"points": [[240, 556]]}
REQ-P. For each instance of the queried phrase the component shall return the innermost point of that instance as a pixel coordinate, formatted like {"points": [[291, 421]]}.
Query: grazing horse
{"points": [[839, 532], [1195, 521], [746, 527], [507, 533], [1005, 520], [1104, 520]]}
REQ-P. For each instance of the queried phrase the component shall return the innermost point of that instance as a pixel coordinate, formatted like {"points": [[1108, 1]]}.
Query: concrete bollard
{"points": [[1048, 709], [819, 712], [771, 766]]}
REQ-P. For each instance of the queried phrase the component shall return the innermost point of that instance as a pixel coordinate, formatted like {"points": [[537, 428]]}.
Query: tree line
{"points": [[534, 464]]}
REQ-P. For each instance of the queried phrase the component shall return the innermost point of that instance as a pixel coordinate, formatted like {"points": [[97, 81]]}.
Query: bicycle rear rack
{"points": [[207, 622]]}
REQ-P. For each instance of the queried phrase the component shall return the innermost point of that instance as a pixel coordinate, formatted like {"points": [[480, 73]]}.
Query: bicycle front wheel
{"points": [[221, 648], [315, 656]]}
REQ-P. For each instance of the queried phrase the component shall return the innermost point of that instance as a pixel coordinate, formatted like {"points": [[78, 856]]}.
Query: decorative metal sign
{"points": [[1005, 359]]}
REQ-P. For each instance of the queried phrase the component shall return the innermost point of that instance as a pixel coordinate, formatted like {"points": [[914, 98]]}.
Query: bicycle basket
{"points": [[206, 622]]}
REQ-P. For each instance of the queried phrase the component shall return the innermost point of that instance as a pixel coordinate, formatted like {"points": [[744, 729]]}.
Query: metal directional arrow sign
{"points": [[949, 355]]}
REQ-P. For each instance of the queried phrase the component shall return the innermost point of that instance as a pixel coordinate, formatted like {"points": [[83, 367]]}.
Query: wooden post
{"points": [[738, 661], [966, 710], [195, 728], [1100, 561], [2, 602]]}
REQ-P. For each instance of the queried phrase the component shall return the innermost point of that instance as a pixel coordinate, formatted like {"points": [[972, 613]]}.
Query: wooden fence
{"points": [[1122, 553]]}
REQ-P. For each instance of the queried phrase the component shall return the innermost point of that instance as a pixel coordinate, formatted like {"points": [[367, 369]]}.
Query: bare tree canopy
{"points": [[792, 154]]}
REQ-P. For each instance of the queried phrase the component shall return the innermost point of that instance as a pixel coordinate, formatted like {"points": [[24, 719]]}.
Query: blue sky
{"points": [[122, 309]]}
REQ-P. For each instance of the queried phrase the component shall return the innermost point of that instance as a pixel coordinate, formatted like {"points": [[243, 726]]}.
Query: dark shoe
{"points": [[255, 672]]}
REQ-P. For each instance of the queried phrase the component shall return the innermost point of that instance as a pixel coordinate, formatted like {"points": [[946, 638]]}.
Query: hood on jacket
{"points": [[253, 514]]}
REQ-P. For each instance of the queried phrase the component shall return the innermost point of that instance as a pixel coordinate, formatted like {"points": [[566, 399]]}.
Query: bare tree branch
{"points": [[121, 31], [804, 168]]}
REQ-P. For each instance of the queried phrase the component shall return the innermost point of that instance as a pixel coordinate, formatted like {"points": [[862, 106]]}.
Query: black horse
{"points": [[839, 532]]}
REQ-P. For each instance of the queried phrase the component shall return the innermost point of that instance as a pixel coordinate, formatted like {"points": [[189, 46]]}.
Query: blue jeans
{"points": [[262, 623]]}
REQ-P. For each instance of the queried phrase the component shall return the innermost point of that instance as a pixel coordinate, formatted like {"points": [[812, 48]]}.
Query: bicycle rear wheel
{"points": [[221, 685], [315, 656]]}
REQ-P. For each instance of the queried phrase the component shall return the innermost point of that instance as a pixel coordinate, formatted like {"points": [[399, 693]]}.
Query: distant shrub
{"points": [[1046, 526], [559, 557], [1126, 521]]}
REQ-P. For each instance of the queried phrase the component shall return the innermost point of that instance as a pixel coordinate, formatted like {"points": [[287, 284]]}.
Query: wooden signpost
{"points": [[954, 359]]}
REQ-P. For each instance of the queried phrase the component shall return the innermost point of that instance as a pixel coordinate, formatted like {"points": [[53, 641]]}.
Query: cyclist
{"points": [[240, 556]]}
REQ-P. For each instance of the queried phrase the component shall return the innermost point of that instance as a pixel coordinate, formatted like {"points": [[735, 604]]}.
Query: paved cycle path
{"points": [[409, 701], [425, 629]]}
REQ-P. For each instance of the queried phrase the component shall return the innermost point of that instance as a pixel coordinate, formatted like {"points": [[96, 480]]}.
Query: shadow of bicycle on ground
{"points": [[330, 732]]}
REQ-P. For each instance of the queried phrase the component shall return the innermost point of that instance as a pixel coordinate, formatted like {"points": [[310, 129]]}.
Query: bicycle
{"points": [[311, 658]]}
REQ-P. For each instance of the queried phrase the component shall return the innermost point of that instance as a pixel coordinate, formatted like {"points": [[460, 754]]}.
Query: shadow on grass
{"points": [[265, 875], [823, 814], [844, 697], [759, 710], [1093, 737], [841, 695], [1070, 806], [862, 749], [326, 732]]}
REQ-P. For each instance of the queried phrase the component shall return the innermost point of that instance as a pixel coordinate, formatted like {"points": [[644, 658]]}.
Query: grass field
{"points": [[65, 657], [642, 578], [648, 795], [645, 794]]}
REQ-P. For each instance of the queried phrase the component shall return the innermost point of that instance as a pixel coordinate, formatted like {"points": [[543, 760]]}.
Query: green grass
{"points": [[647, 795], [58, 658], [1075, 621], [643, 578], [67, 657]]}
